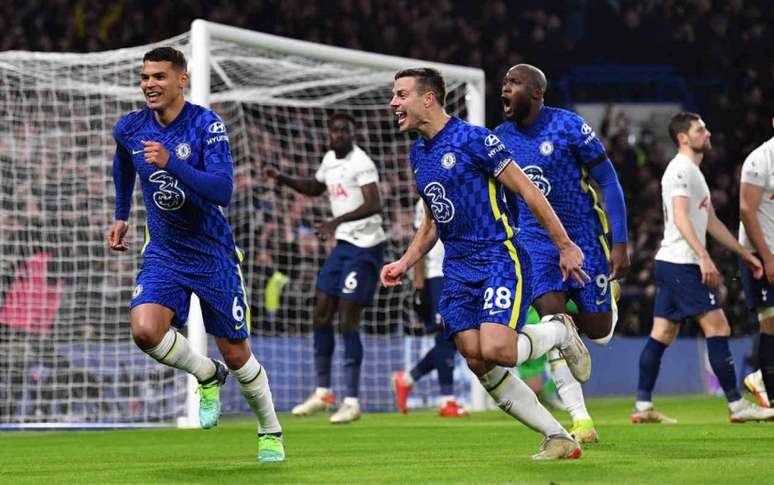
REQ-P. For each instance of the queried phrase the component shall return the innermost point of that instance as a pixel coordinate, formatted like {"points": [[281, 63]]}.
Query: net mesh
{"points": [[66, 353]]}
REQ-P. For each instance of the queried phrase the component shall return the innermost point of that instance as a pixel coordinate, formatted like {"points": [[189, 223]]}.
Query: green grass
{"points": [[419, 448]]}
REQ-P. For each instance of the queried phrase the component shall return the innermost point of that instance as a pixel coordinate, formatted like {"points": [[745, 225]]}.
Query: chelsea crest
{"points": [[448, 160], [183, 151]]}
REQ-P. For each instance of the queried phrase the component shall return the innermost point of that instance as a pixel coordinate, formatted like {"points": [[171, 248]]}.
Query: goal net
{"points": [[66, 354]]}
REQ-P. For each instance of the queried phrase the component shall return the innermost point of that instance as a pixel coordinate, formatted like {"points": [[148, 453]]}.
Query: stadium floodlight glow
{"points": [[67, 356]]}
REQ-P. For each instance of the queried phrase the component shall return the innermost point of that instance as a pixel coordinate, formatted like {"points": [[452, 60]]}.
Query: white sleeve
{"points": [[755, 170], [319, 175], [365, 171], [679, 182]]}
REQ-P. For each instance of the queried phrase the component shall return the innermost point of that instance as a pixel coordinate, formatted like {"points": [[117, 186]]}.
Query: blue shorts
{"points": [[496, 290], [221, 294], [351, 272], [757, 293], [594, 296], [680, 293], [432, 292]]}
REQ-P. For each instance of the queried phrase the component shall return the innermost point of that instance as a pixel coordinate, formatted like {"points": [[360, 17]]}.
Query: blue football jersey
{"points": [[555, 153], [456, 174], [184, 230]]}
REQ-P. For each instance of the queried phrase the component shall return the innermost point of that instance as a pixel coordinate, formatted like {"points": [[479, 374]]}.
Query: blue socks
{"points": [[324, 344], [650, 363], [444, 363], [766, 362], [353, 359], [323, 354], [722, 363], [440, 358]]}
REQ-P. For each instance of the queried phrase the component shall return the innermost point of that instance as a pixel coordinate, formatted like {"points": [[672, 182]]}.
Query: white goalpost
{"points": [[66, 356]]}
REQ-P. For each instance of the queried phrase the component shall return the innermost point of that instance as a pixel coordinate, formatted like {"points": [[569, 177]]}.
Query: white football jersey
{"points": [[434, 258], [758, 169], [343, 178], [682, 177]]}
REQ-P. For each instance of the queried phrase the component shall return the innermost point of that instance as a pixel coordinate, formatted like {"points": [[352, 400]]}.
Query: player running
{"points": [[181, 153], [348, 279], [559, 151], [461, 171]]}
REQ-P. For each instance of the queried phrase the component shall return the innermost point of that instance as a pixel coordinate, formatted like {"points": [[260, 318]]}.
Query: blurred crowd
{"points": [[726, 45]]}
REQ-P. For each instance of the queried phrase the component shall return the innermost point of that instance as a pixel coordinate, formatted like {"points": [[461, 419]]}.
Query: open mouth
{"points": [[506, 103], [401, 117], [152, 96]]}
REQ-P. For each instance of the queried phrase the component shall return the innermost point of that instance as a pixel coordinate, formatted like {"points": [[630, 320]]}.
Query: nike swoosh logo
{"points": [[496, 312], [415, 171], [239, 327], [601, 302], [135, 152]]}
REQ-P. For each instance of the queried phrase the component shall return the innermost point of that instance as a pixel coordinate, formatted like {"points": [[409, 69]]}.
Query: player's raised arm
{"points": [[424, 240], [570, 255]]}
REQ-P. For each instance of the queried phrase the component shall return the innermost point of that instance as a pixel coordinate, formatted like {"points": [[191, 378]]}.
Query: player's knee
{"points": [[322, 320], [145, 334], [499, 353], [601, 333], [235, 353], [347, 325], [766, 319], [603, 341], [476, 366]]}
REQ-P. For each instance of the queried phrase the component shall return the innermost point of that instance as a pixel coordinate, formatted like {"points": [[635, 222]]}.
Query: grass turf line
{"points": [[420, 448]]}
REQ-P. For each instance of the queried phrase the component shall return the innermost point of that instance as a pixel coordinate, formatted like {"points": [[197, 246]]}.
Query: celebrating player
{"points": [[181, 153], [348, 278], [686, 277], [461, 171], [428, 281], [756, 233], [558, 151]]}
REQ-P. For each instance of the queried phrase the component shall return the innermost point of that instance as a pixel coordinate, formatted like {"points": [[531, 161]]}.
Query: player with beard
{"points": [[686, 277]]}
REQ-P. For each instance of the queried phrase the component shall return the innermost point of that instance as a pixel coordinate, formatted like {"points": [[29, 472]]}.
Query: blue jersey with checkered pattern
{"points": [[456, 174], [185, 230], [556, 152]]}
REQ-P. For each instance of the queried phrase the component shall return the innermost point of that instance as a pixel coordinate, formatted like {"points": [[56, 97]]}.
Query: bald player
{"points": [[560, 152]]}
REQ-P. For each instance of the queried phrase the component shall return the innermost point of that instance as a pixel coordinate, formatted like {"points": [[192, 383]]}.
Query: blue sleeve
{"points": [[487, 151], [605, 175], [586, 147], [216, 182], [123, 178]]}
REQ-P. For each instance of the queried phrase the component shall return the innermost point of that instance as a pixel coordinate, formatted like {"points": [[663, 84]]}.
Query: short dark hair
{"points": [[169, 54], [428, 79], [681, 123], [342, 116]]}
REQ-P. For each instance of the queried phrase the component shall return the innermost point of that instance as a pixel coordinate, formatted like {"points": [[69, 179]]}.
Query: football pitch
{"points": [[486, 447]]}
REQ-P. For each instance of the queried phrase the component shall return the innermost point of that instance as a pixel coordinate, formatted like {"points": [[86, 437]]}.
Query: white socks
{"points": [[175, 351], [255, 388], [407, 379], [536, 340], [643, 405], [567, 387], [514, 397]]}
